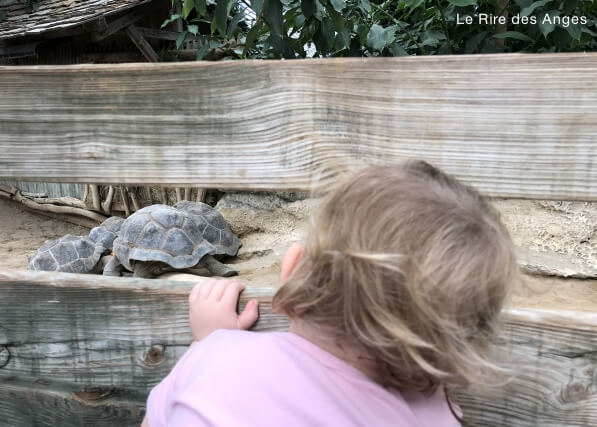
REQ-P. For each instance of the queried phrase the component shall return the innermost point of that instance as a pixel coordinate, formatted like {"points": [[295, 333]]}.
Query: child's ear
{"points": [[291, 259]]}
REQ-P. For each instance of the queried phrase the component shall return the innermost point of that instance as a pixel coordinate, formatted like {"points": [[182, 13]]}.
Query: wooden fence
{"points": [[85, 350], [512, 125]]}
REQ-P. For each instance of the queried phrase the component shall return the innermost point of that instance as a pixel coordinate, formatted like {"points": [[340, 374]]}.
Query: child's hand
{"points": [[212, 306]]}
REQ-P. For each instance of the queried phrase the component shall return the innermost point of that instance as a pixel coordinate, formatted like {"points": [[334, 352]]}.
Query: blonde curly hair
{"points": [[412, 266]]}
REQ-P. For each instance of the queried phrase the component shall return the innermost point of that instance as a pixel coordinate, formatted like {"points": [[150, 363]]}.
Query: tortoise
{"points": [[70, 254], [223, 238], [160, 238], [106, 232]]}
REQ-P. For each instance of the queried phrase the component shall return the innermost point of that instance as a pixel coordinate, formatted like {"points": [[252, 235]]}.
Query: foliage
{"points": [[300, 28]]}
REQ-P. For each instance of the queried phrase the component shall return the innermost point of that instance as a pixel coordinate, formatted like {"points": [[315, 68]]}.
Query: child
{"points": [[393, 299]]}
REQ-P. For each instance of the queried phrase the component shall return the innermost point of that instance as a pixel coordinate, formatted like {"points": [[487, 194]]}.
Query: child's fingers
{"points": [[206, 288], [218, 290], [195, 293], [249, 315], [230, 296]]}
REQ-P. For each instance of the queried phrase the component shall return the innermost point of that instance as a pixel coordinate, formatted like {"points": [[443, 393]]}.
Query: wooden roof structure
{"points": [[52, 32], [48, 15]]}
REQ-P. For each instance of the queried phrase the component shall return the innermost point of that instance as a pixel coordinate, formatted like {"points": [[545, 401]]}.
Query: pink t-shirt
{"points": [[252, 379]]}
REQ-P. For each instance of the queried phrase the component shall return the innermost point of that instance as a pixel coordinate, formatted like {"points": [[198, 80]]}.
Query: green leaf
{"points": [[431, 38], [463, 2], [327, 29], [523, 3], [561, 38], [222, 11], [362, 31], [337, 18], [257, 5], [272, 10], [308, 7], [513, 35], [171, 19], [277, 43], [321, 40], [201, 7], [397, 50], [187, 7], [473, 43], [180, 39], [574, 31], [252, 36], [233, 23], [569, 6], [529, 9], [338, 4], [546, 22], [365, 6], [413, 4], [193, 29], [202, 51], [344, 35], [379, 37]]}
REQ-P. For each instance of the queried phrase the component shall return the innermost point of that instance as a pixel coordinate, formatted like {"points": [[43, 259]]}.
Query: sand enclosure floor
{"points": [[268, 225]]}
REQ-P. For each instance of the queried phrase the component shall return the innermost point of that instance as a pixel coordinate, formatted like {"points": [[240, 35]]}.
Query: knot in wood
{"points": [[155, 355], [93, 394], [574, 392], [4, 356]]}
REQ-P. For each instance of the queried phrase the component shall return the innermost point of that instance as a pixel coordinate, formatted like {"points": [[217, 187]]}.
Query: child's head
{"points": [[412, 266]]}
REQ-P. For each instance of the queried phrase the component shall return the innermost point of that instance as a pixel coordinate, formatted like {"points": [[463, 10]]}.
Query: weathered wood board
{"points": [[512, 125], [96, 345]]}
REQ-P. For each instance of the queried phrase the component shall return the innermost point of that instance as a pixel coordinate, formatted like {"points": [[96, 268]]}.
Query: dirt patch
{"points": [[21, 233]]}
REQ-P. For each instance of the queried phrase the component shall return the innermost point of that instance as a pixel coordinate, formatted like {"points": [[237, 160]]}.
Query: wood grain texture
{"points": [[554, 358], [84, 332], [49, 403], [99, 331], [513, 125]]}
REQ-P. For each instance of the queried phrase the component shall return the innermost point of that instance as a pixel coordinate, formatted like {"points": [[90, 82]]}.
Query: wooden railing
{"points": [[85, 350]]}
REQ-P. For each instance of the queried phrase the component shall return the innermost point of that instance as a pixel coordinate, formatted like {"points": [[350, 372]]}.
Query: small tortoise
{"points": [[162, 238], [105, 233], [70, 254]]}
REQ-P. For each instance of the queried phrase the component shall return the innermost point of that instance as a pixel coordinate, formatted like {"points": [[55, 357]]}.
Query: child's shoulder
{"points": [[226, 343]]}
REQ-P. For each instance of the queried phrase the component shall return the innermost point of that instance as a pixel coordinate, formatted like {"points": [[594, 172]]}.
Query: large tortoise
{"points": [[70, 254], [162, 238], [219, 233]]}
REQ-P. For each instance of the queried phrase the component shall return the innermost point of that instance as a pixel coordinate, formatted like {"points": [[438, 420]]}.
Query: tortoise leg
{"points": [[215, 267], [150, 269], [113, 268]]}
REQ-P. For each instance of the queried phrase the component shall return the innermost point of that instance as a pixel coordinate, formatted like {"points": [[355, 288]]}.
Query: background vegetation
{"points": [[300, 28]]}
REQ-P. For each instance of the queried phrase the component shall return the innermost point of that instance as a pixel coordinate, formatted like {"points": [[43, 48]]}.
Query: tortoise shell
{"points": [[163, 233], [70, 254]]}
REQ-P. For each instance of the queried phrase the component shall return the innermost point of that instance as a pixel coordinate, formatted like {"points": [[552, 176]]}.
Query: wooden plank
{"points": [[98, 331], [142, 44], [122, 22], [554, 358], [513, 125], [123, 334], [47, 403], [153, 33]]}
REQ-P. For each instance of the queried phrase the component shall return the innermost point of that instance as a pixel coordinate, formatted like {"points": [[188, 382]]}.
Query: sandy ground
{"points": [[21, 233], [565, 229]]}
